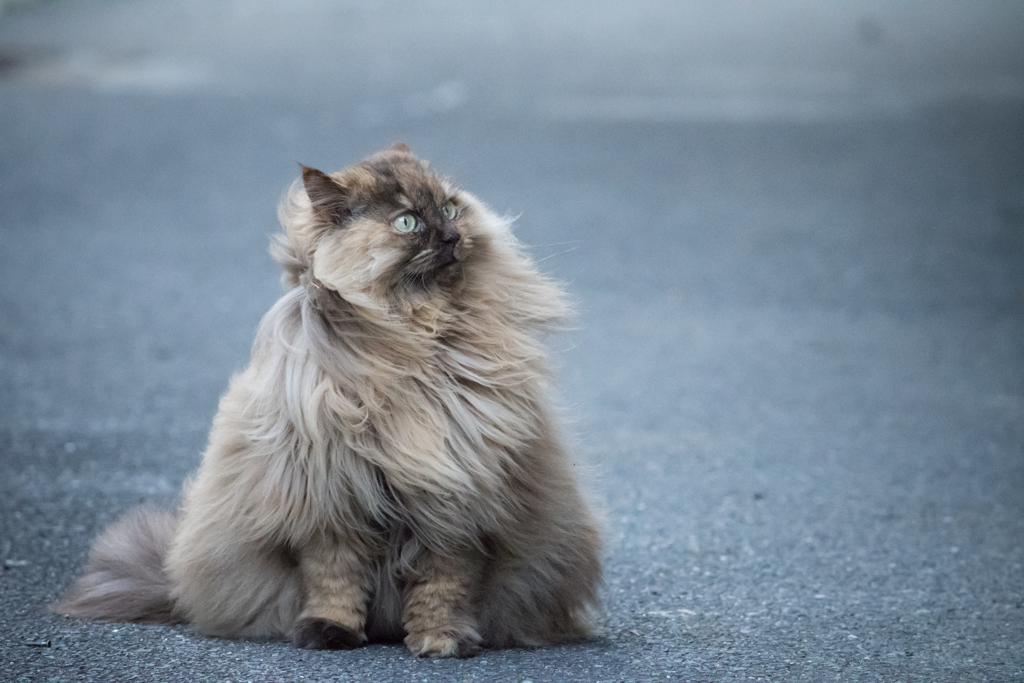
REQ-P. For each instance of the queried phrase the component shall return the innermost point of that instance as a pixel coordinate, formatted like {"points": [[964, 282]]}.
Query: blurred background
{"points": [[794, 231], [701, 60]]}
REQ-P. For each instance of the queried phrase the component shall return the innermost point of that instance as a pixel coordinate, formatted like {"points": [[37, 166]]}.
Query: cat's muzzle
{"points": [[447, 249]]}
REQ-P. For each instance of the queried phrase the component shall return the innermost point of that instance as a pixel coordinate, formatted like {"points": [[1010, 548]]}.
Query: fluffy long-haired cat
{"points": [[388, 466]]}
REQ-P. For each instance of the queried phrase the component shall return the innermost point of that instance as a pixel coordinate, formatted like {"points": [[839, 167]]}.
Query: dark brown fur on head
{"points": [[370, 196]]}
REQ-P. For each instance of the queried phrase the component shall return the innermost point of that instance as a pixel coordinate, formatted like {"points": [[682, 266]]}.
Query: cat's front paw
{"points": [[444, 643], [320, 634]]}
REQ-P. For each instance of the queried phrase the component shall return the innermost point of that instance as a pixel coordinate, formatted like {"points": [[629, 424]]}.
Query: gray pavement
{"points": [[796, 240]]}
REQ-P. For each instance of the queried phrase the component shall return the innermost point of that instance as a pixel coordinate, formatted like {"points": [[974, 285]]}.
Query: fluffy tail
{"points": [[124, 578]]}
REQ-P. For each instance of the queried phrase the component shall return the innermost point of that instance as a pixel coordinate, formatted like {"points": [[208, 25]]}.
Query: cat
{"points": [[388, 466]]}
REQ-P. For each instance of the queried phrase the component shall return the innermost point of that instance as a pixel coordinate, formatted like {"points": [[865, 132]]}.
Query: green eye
{"points": [[449, 210], [404, 223]]}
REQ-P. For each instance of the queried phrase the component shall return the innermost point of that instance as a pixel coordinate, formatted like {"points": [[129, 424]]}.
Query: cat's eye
{"points": [[449, 210], [404, 223]]}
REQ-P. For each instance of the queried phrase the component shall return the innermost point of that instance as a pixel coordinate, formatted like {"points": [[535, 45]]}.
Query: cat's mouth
{"points": [[446, 255], [431, 265]]}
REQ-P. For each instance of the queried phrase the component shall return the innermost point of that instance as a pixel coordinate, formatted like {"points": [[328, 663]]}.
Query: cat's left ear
{"points": [[329, 199]]}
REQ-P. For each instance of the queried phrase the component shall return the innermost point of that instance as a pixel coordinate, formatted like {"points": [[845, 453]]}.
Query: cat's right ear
{"points": [[329, 199]]}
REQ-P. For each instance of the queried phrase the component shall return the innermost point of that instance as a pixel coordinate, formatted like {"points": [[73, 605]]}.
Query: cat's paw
{"points": [[320, 634], [444, 643]]}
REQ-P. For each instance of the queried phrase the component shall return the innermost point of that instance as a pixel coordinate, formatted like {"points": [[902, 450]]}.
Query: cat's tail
{"points": [[124, 579]]}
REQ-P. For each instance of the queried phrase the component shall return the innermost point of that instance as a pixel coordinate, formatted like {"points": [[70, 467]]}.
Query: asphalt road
{"points": [[797, 377]]}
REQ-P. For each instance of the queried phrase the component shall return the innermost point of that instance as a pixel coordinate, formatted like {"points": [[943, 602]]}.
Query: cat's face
{"points": [[388, 223]]}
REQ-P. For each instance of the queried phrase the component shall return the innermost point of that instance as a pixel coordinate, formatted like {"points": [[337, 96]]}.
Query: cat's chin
{"points": [[444, 263], [449, 273]]}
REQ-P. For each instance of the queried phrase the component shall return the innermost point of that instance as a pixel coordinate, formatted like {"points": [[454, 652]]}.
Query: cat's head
{"points": [[385, 225]]}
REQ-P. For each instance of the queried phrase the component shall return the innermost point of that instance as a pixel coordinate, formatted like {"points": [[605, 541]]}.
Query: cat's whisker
{"points": [[561, 253], [533, 247]]}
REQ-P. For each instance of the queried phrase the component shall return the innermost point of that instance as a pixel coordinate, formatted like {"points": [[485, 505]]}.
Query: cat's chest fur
{"points": [[452, 417]]}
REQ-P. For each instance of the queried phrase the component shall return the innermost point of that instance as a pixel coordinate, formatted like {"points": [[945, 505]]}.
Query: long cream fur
{"points": [[402, 434]]}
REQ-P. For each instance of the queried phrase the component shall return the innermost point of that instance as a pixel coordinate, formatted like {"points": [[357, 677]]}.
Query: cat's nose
{"points": [[450, 235]]}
